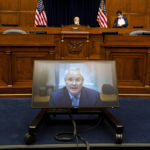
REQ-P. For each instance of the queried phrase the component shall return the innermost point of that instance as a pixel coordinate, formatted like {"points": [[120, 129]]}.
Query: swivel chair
{"points": [[14, 31]]}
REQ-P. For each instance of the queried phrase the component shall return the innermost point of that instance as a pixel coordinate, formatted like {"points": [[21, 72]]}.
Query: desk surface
{"points": [[91, 30]]}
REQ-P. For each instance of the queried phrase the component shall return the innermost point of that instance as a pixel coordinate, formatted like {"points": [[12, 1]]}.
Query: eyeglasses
{"points": [[74, 81]]}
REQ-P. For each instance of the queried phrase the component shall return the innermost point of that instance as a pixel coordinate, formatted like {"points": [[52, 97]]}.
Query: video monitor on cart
{"points": [[74, 84]]}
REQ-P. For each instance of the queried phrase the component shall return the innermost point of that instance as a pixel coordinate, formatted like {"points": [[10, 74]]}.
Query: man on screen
{"points": [[74, 93]]}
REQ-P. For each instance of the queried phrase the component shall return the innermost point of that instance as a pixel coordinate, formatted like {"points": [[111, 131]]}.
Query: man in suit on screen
{"points": [[74, 93]]}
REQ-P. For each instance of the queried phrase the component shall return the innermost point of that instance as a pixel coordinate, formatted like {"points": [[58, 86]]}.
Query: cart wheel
{"points": [[119, 138], [29, 139]]}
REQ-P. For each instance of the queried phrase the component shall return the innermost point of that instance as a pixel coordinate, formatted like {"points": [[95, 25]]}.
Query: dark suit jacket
{"points": [[61, 98], [116, 22]]}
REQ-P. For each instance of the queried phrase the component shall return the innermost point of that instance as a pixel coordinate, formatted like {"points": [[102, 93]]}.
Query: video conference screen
{"points": [[69, 84]]}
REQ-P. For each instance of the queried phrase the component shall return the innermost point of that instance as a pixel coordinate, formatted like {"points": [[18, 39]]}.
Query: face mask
{"points": [[76, 22], [120, 16]]}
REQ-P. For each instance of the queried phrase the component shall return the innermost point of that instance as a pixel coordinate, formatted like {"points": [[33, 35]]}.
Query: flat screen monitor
{"points": [[74, 84]]}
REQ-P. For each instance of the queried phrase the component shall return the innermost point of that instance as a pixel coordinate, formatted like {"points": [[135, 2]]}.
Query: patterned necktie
{"points": [[75, 101]]}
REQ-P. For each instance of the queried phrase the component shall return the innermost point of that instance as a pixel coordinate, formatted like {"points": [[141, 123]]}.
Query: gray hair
{"points": [[73, 69]]}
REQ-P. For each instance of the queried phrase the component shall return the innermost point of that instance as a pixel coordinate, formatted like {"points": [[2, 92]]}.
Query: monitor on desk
{"points": [[74, 84]]}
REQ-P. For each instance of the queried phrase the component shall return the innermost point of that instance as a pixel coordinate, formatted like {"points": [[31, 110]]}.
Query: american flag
{"points": [[40, 14], [102, 16]]}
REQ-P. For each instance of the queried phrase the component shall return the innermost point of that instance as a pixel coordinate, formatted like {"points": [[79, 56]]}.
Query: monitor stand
{"points": [[30, 136]]}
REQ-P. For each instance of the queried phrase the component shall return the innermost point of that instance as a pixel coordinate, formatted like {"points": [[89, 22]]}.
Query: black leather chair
{"points": [[108, 94]]}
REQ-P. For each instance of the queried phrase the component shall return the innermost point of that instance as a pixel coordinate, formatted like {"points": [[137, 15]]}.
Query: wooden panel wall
{"points": [[17, 12], [21, 12]]}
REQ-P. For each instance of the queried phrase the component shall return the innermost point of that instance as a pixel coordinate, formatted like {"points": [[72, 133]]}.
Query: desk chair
{"points": [[14, 31], [139, 32]]}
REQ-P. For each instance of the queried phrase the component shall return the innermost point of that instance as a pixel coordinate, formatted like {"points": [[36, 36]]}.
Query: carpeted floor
{"points": [[16, 115]]}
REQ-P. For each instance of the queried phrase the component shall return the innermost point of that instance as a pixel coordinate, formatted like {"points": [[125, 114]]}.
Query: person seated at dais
{"points": [[121, 21], [76, 20]]}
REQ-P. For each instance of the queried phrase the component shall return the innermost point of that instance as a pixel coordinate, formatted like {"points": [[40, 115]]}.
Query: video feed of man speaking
{"points": [[63, 84]]}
